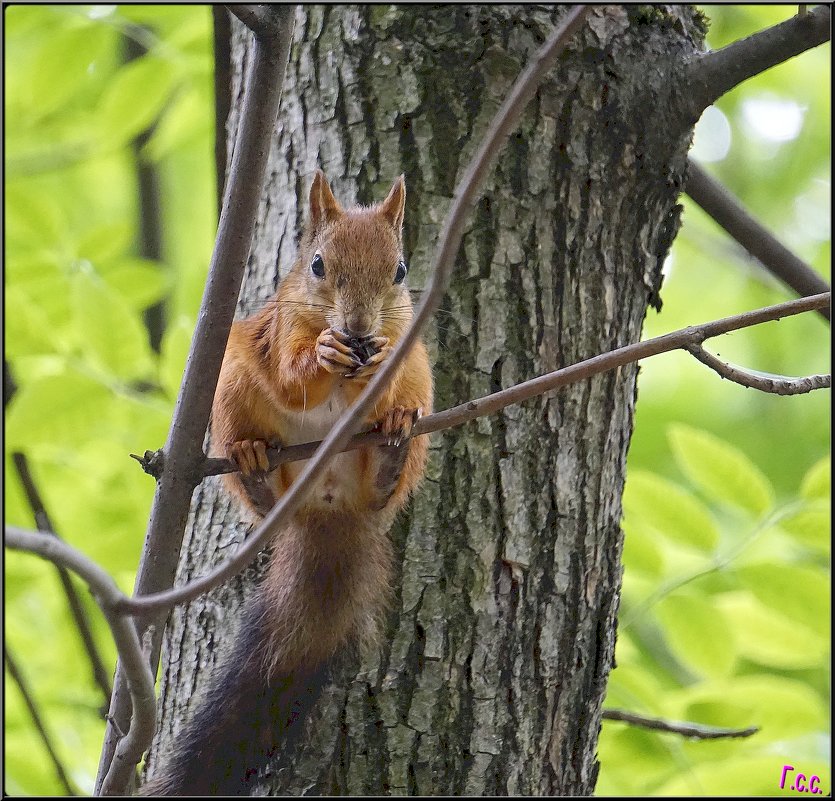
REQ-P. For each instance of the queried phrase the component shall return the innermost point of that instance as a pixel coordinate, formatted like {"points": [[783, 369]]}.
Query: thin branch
{"points": [[77, 609], [139, 678], [450, 239], [726, 210], [709, 76], [184, 448], [693, 730], [775, 384], [470, 411], [29, 700], [256, 17], [489, 404]]}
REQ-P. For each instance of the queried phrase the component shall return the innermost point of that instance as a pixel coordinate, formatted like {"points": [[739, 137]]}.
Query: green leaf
{"points": [[636, 755], [640, 551], [780, 707], [698, 633], [801, 593], [63, 65], [140, 282], [174, 350], [115, 339], [183, 121], [33, 219], [817, 483], [65, 409], [134, 98], [766, 636], [103, 242], [27, 328], [631, 685], [810, 525], [670, 510], [722, 471]]}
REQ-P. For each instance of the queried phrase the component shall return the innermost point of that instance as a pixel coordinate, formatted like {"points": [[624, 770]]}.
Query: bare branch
{"points": [[723, 207], [184, 448], [775, 384], [471, 410], [29, 700], [449, 418], [255, 17], [450, 238], [695, 731], [709, 76], [77, 609], [140, 679]]}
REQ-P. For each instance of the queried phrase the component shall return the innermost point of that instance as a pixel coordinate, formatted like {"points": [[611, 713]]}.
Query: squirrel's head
{"points": [[351, 268]]}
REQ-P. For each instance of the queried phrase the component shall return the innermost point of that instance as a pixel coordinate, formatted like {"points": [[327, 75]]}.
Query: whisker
{"points": [[299, 303]]}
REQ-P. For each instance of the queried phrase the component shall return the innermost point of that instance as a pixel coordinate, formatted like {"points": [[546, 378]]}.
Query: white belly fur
{"points": [[340, 484]]}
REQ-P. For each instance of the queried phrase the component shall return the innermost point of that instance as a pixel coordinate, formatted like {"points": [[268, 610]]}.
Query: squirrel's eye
{"points": [[402, 269], [317, 266]]}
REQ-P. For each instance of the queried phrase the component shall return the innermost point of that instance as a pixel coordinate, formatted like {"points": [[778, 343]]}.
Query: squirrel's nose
{"points": [[358, 325]]}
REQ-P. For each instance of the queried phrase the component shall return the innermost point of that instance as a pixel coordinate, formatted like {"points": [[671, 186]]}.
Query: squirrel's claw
{"points": [[250, 455], [334, 354], [397, 423]]}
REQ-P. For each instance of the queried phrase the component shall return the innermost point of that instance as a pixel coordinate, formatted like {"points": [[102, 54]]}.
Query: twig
{"points": [[350, 422], [29, 700], [139, 678], [478, 408], [726, 210], [708, 76], [257, 18], [693, 730], [114, 603], [184, 448], [775, 384], [490, 404], [79, 613]]}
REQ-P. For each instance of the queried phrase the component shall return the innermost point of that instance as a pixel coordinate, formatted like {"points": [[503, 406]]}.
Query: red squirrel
{"points": [[288, 373]]}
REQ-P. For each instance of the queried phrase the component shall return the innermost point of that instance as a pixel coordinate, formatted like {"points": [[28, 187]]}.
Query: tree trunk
{"points": [[501, 638]]}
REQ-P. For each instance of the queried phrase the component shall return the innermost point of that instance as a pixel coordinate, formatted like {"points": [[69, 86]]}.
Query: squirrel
{"points": [[288, 373]]}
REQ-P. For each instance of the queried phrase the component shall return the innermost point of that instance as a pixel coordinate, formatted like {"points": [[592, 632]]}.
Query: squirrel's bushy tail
{"points": [[325, 591], [249, 709]]}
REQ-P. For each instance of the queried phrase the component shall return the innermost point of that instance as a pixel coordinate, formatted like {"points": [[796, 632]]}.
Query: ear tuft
{"points": [[394, 206], [324, 207]]}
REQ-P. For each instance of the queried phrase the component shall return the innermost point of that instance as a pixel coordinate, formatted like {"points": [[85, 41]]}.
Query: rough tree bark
{"points": [[502, 634]]}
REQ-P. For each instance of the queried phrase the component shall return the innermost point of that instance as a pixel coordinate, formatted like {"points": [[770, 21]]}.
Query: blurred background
{"points": [[110, 215]]}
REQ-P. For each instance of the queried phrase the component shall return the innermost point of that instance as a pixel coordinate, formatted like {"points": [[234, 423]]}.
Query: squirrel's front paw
{"points": [[380, 350], [335, 354], [251, 455], [397, 423]]}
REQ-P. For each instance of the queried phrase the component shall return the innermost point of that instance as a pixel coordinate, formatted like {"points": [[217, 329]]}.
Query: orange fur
{"points": [[287, 374], [329, 577], [270, 367]]}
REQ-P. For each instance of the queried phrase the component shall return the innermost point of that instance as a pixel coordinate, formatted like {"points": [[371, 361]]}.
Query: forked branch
{"points": [[774, 384], [709, 76], [139, 679]]}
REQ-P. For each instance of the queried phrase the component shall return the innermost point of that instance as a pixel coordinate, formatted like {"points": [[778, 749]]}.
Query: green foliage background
{"points": [[725, 611]]}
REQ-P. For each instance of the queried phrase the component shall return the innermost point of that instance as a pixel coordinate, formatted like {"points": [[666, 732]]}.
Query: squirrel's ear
{"points": [[323, 205], [394, 206]]}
